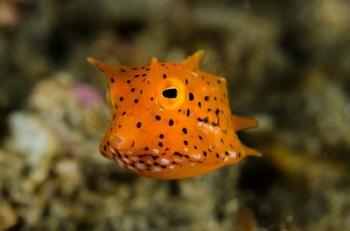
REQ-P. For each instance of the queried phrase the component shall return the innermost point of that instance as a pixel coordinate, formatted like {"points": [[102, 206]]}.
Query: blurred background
{"points": [[287, 64]]}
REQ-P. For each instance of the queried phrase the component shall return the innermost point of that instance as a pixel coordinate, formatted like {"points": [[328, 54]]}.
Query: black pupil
{"points": [[170, 93]]}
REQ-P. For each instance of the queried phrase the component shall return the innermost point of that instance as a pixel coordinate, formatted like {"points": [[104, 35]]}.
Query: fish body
{"points": [[171, 120]]}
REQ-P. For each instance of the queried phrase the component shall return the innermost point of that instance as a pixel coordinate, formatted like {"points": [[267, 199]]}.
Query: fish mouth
{"points": [[109, 147], [110, 152]]}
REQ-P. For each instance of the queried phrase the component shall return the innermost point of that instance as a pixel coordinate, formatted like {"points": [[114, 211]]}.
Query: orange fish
{"points": [[171, 120]]}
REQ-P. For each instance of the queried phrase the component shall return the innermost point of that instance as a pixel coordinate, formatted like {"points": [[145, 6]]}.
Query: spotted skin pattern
{"points": [[171, 120]]}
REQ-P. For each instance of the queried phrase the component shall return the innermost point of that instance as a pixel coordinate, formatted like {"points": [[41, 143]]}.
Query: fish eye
{"points": [[170, 93]]}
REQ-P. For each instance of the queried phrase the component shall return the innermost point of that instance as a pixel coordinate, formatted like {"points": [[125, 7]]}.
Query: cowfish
{"points": [[171, 120]]}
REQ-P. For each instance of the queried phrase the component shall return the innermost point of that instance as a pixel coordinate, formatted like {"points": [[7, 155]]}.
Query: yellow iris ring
{"points": [[172, 103]]}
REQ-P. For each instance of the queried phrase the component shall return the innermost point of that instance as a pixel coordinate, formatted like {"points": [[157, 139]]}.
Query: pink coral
{"points": [[86, 95]]}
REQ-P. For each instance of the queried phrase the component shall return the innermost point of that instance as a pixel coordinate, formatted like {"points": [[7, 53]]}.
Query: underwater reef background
{"points": [[287, 64]]}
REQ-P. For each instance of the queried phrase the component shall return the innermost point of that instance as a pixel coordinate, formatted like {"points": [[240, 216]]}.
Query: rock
{"points": [[31, 137], [8, 216]]}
